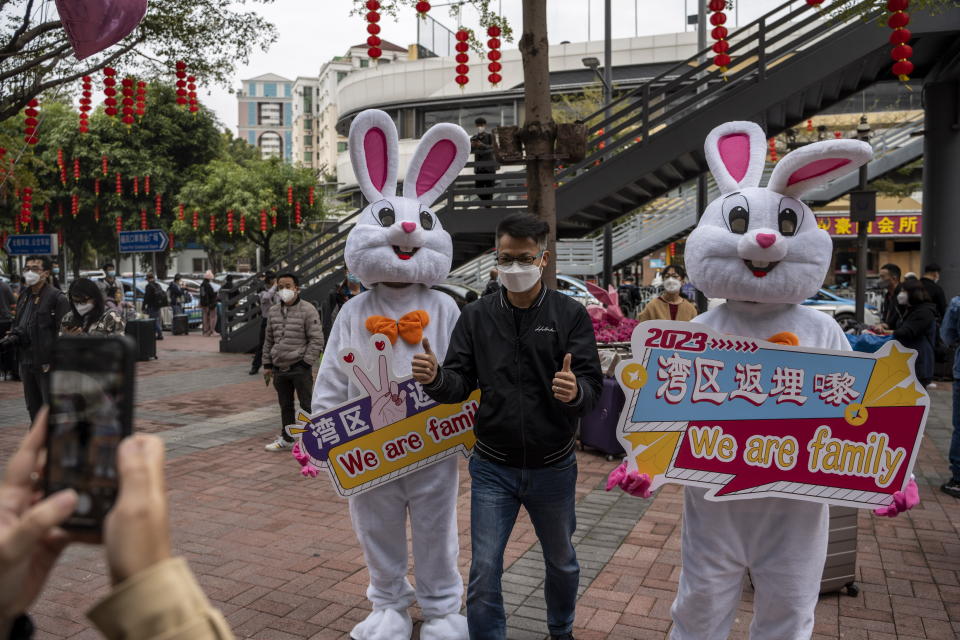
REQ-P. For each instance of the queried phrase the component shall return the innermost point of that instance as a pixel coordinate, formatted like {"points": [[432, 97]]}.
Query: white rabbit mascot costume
{"points": [[761, 250], [399, 249]]}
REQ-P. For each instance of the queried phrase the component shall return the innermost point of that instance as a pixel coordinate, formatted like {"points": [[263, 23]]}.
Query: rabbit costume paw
{"points": [[384, 624], [449, 627]]}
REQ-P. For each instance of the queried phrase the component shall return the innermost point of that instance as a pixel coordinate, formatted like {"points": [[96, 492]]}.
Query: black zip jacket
{"points": [[37, 324], [520, 423]]}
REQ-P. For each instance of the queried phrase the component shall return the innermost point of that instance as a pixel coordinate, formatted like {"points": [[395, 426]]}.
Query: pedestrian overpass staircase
{"points": [[789, 65]]}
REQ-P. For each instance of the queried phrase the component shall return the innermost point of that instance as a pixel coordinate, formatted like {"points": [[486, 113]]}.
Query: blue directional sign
{"points": [[35, 244], [147, 241]]}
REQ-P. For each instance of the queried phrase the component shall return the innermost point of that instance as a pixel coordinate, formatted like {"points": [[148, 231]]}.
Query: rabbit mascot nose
{"points": [[761, 250], [399, 249]]}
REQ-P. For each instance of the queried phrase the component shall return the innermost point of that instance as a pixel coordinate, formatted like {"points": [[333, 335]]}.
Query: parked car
{"points": [[191, 308], [462, 294], [844, 310], [576, 289]]}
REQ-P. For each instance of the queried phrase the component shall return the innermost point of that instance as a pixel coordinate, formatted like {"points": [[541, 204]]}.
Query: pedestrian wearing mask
{"points": [[89, 314], [892, 309], [349, 288], [670, 305], [109, 280], [532, 352], [208, 304], [177, 296], [40, 309], [918, 328], [293, 341], [154, 300]]}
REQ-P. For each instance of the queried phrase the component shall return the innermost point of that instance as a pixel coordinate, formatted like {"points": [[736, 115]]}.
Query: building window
{"points": [[364, 63], [270, 114], [307, 157], [308, 124], [307, 141], [341, 75], [341, 147], [271, 145], [307, 102], [199, 265], [270, 89]]}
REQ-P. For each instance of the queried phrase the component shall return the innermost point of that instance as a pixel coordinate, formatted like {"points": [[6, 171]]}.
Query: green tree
{"points": [[212, 37]]}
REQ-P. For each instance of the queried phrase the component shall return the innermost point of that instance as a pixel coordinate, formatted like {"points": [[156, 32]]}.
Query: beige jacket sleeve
{"points": [[163, 602]]}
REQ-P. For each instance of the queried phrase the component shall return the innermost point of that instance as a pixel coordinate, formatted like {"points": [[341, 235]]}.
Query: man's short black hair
{"points": [[480, 120], [47, 263], [680, 271], [270, 275], [893, 270], [933, 267], [150, 275], [292, 276], [177, 277], [524, 225], [107, 265]]}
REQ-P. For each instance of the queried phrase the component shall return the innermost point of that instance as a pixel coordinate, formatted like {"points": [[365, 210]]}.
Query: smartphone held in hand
{"points": [[91, 411]]}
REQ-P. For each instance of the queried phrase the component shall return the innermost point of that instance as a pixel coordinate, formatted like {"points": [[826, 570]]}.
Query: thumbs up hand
{"points": [[565, 383], [424, 365]]}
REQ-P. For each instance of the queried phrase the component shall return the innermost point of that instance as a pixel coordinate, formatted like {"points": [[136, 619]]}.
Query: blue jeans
{"points": [[955, 440], [157, 322], [548, 495]]}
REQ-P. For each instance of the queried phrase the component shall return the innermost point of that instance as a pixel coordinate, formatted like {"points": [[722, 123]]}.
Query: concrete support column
{"points": [[941, 182]]}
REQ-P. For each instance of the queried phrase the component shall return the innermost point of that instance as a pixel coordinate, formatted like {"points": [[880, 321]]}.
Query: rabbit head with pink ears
{"points": [[762, 244], [399, 238]]}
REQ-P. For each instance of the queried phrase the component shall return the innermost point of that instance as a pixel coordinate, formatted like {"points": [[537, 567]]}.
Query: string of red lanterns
{"points": [[127, 89], [902, 51], [373, 40], [462, 46], [310, 196], [721, 58], [46, 212], [26, 206], [85, 104], [119, 223], [213, 223], [263, 220], [136, 185], [103, 165], [196, 219], [273, 216], [180, 211], [76, 169], [297, 217], [243, 224], [96, 212], [31, 123], [110, 91], [493, 55], [229, 222], [146, 185], [141, 98], [74, 205], [193, 105], [158, 204], [96, 187], [181, 71], [772, 148], [143, 220], [119, 185]]}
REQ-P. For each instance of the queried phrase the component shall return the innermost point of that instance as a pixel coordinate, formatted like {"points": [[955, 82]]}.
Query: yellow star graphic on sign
{"points": [[634, 376]]}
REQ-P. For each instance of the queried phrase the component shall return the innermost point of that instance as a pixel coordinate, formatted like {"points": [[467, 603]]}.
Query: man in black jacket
{"points": [[154, 299], [40, 308], [931, 276], [532, 352]]}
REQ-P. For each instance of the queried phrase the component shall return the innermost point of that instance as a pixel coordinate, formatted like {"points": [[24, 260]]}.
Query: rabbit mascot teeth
{"points": [[761, 249], [399, 249]]}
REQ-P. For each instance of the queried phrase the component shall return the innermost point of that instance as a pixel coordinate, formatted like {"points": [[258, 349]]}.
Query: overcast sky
{"points": [[313, 31]]}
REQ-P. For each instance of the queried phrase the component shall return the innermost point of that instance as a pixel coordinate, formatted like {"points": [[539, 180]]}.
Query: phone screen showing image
{"points": [[89, 415]]}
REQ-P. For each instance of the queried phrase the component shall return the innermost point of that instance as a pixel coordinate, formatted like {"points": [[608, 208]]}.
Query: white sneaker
{"points": [[279, 445]]}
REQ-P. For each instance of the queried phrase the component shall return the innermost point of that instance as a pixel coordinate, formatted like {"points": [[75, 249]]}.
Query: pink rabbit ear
{"points": [[374, 153], [438, 160], [816, 164], [614, 296], [735, 153]]}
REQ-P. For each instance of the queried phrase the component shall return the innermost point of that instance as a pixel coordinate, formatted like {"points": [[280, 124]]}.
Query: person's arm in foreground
{"points": [[457, 378]]}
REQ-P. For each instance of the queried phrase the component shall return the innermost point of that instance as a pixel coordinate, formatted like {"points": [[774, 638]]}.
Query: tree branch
{"points": [[58, 52], [20, 38]]}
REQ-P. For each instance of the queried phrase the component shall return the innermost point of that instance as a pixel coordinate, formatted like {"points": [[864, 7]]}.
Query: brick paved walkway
{"points": [[276, 552]]}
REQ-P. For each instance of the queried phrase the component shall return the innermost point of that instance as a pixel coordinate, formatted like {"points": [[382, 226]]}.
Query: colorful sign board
{"points": [[746, 418], [393, 429], [892, 225]]}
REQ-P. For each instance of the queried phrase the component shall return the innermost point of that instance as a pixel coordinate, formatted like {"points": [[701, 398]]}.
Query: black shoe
{"points": [[563, 636], [159, 337], [254, 370], [951, 488]]}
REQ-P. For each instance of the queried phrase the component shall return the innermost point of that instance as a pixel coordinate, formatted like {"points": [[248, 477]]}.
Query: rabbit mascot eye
{"points": [[398, 249], [761, 249]]}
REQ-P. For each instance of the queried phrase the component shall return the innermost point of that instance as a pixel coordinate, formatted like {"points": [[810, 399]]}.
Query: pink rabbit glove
{"points": [[902, 501], [308, 470], [634, 483]]}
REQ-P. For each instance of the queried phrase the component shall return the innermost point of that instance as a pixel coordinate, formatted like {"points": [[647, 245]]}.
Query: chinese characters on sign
{"points": [[747, 418], [885, 225]]}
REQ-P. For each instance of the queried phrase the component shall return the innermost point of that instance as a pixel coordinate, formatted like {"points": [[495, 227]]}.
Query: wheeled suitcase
{"points": [[840, 569], [180, 324], [598, 429], [144, 334]]}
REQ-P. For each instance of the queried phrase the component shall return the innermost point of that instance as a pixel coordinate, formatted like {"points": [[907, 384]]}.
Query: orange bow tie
{"points": [[409, 326], [787, 338]]}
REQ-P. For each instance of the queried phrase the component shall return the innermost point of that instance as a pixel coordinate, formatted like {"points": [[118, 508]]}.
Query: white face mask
{"points": [[31, 278], [902, 297], [287, 295], [671, 285], [85, 308], [518, 278]]}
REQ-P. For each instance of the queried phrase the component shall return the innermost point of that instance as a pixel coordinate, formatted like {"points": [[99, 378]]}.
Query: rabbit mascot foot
{"points": [[399, 249], [761, 250]]}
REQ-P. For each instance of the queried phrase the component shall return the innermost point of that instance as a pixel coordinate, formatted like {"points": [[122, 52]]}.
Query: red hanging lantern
{"points": [[196, 219], [289, 194], [263, 220], [62, 166], [76, 169], [96, 187], [297, 217], [119, 185], [373, 42], [46, 212], [110, 91], [772, 147], [180, 211], [74, 205], [127, 88], [243, 224], [143, 220], [136, 185], [423, 8], [310, 196], [96, 212], [814, 3], [146, 185], [809, 126], [40, 227], [192, 95], [26, 205], [229, 222], [170, 242], [119, 223], [158, 204], [181, 82], [838, 134], [141, 98], [721, 59], [103, 165], [31, 123], [462, 46], [494, 66], [85, 103], [901, 52], [213, 223], [273, 216]]}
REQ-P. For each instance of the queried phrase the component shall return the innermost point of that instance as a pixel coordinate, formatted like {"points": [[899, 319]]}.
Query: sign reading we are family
{"points": [[393, 429], [747, 418]]}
